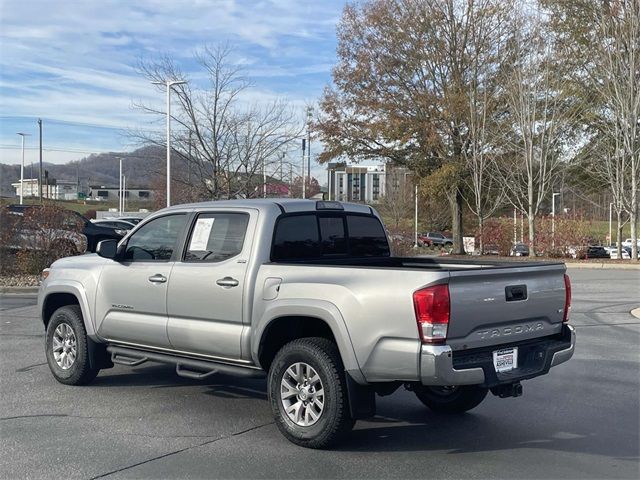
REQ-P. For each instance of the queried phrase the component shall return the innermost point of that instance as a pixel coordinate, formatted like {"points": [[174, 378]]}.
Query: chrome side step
{"points": [[185, 367]]}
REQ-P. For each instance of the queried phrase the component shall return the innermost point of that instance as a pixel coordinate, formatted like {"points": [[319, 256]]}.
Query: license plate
{"points": [[505, 360]]}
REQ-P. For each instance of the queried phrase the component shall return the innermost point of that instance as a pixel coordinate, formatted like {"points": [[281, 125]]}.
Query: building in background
{"points": [[54, 189], [364, 183], [110, 194], [356, 183]]}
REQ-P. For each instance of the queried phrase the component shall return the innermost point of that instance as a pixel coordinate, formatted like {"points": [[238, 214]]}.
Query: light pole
{"points": [[22, 166], [120, 188], [304, 184], [553, 220], [415, 231], [309, 116], [169, 84]]}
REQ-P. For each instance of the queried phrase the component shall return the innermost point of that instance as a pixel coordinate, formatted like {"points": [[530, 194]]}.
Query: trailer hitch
{"points": [[508, 390]]}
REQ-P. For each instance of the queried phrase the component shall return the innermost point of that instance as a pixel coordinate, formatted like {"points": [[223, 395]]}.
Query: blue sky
{"points": [[72, 63]]}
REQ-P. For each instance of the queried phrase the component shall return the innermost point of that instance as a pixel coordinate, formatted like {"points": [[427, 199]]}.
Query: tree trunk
{"points": [[619, 232], [532, 232], [633, 214], [456, 222], [481, 230]]}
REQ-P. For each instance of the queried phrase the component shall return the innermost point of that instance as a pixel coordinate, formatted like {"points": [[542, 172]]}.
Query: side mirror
{"points": [[107, 249]]}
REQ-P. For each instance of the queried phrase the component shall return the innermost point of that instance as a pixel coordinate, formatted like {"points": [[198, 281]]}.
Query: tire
{"points": [[66, 324], [322, 360], [448, 245], [451, 399]]}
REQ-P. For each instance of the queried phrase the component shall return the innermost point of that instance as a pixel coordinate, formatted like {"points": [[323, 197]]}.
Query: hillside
{"points": [[139, 167]]}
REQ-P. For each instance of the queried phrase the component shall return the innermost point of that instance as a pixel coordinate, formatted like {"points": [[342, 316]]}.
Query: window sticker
{"points": [[200, 235]]}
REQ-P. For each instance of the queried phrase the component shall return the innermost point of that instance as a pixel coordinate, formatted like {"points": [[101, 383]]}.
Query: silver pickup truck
{"points": [[308, 294]]}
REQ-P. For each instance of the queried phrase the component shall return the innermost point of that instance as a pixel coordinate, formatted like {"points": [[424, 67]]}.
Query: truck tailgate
{"points": [[505, 305]]}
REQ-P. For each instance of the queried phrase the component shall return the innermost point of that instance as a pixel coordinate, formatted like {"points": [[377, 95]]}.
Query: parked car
{"points": [[629, 242], [57, 233], [436, 239], [121, 227], [612, 250], [93, 233], [520, 250], [590, 251], [308, 294]]}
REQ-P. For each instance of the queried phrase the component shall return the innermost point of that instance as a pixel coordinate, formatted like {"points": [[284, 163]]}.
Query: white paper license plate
{"points": [[506, 359]]}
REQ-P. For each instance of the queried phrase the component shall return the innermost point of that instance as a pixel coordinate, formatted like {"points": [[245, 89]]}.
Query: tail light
{"points": [[432, 307], [567, 298]]}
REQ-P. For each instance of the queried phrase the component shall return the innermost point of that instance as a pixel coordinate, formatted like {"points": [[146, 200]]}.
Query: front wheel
{"points": [[66, 347], [308, 393], [450, 399]]}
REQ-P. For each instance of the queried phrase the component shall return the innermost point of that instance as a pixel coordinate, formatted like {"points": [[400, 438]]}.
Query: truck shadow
{"points": [[403, 425], [475, 432]]}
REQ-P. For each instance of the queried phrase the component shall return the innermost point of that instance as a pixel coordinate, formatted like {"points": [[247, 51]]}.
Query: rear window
{"points": [[312, 236], [296, 237], [366, 237]]}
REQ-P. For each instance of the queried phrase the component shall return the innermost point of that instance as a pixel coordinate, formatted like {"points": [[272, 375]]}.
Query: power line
{"points": [[67, 122], [64, 150]]}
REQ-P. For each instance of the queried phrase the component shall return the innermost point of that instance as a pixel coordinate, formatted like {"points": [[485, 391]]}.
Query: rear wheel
{"points": [[450, 399], [308, 393], [66, 347]]}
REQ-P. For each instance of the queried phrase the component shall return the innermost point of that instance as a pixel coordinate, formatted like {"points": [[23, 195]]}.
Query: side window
{"points": [[332, 237], [296, 237], [366, 237], [156, 240], [216, 237]]}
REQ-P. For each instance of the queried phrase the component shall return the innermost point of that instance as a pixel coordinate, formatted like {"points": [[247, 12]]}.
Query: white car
{"points": [[612, 250], [628, 242]]}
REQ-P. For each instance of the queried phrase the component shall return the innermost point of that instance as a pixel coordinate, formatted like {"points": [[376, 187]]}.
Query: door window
{"points": [[216, 237], [156, 240]]}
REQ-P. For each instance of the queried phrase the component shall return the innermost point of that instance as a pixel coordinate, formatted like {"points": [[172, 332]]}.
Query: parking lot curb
{"points": [[22, 290], [603, 265]]}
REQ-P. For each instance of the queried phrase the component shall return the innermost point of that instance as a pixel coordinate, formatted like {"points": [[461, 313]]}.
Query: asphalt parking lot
{"points": [[580, 421]]}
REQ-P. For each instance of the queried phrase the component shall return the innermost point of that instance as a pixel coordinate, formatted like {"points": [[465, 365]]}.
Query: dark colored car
{"points": [[94, 233], [591, 251], [520, 250]]}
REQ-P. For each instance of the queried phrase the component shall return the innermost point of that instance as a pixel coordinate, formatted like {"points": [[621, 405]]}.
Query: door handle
{"points": [[227, 282], [158, 278]]}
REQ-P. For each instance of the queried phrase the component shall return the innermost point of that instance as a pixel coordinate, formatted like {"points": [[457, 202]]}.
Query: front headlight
{"points": [[44, 274], [121, 232]]}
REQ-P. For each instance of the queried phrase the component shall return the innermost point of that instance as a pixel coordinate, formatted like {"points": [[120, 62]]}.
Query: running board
{"points": [[185, 367]]}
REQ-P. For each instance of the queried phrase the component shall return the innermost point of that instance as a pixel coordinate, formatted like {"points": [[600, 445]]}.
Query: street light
{"points": [[22, 166], [415, 231], [169, 84], [120, 186], [553, 220]]}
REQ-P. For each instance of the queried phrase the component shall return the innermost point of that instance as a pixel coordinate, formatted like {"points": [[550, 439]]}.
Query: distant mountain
{"points": [[138, 166]]}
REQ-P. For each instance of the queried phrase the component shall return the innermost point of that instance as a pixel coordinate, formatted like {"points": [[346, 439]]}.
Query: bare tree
{"points": [[398, 198], [618, 57], [540, 117], [226, 147]]}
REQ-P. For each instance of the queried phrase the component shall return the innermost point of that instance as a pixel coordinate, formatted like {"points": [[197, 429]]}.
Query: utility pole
{"points": [[22, 135], [304, 146], [40, 176]]}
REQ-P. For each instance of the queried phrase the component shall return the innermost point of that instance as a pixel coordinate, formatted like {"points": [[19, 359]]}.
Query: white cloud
{"points": [[75, 60]]}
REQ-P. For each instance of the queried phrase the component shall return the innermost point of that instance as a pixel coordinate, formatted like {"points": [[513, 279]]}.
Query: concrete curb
{"points": [[636, 312], [603, 265], [20, 290]]}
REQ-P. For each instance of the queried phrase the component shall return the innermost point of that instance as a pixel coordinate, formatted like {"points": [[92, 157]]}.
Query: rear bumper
{"points": [[440, 365]]}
